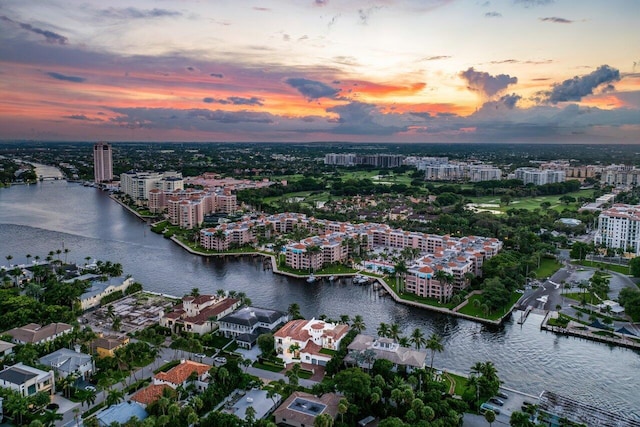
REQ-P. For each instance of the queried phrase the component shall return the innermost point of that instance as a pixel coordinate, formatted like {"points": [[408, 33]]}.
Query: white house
{"points": [[27, 380], [91, 297], [198, 314], [383, 348], [303, 340]]}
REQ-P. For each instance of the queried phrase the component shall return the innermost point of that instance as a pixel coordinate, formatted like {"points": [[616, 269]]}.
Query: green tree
{"points": [[490, 416], [520, 419], [358, 323], [417, 338], [434, 344], [266, 344]]}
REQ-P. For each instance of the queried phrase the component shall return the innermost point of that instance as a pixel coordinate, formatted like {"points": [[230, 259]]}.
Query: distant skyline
{"points": [[548, 71]]}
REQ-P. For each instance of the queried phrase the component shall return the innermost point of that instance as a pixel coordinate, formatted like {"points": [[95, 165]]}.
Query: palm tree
{"points": [[114, 397], [313, 250], [358, 323], [418, 339], [344, 319], [394, 331], [435, 345], [195, 292], [9, 258], [66, 252], [383, 330], [294, 311], [444, 278], [400, 269]]}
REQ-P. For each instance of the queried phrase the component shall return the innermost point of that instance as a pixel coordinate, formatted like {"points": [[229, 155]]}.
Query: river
{"points": [[36, 219]]}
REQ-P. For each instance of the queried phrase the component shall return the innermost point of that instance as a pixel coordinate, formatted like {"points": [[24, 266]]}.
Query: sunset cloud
{"points": [[485, 83], [578, 87]]}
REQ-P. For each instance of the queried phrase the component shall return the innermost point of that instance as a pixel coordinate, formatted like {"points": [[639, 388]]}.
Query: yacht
{"points": [[311, 278]]}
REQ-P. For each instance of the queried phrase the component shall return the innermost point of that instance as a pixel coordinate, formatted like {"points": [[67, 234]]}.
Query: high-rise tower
{"points": [[102, 162]]}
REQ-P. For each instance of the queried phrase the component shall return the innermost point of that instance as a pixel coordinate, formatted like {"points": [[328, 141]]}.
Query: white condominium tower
{"points": [[102, 163]]}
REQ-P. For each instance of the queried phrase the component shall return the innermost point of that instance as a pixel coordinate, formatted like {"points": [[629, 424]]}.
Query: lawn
{"points": [[270, 368], [530, 203], [461, 383], [623, 269], [548, 266], [471, 310]]}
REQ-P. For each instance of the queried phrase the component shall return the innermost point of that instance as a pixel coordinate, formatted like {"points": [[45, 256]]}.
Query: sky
{"points": [[552, 71]]}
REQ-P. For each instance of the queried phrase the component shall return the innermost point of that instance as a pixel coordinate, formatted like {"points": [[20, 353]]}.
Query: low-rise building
{"points": [[199, 314], [246, 324], [99, 289], [106, 346], [65, 362], [34, 333], [6, 348], [121, 413], [27, 380], [303, 340], [180, 375], [301, 409], [150, 394], [383, 348]]}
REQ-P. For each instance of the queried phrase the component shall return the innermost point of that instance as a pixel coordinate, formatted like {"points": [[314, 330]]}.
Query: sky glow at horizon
{"points": [[321, 70]]}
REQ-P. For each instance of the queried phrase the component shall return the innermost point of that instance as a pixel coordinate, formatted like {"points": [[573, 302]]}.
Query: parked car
{"points": [[90, 388], [486, 407], [200, 355], [496, 401], [221, 360], [502, 395]]}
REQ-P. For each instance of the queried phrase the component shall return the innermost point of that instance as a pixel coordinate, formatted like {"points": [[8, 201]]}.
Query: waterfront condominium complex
{"points": [[102, 162], [619, 227], [441, 264]]}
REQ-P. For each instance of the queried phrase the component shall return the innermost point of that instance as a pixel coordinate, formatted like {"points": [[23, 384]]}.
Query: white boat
{"points": [[311, 278], [331, 278]]}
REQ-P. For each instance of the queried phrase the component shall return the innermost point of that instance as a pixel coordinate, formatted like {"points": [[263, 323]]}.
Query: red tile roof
{"points": [[180, 373], [150, 394]]}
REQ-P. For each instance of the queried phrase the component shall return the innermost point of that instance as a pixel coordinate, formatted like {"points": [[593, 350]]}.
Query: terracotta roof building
{"points": [[302, 340], [198, 314], [179, 375], [150, 394]]}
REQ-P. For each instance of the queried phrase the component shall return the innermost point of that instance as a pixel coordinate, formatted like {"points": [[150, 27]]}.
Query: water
{"points": [[39, 218]]}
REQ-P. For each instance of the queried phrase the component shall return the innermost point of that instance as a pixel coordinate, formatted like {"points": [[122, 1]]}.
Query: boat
{"points": [[311, 278], [331, 278]]}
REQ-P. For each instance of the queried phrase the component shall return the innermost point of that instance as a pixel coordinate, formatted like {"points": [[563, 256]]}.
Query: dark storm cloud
{"points": [[74, 79], [50, 36], [358, 118], [510, 101], [191, 119], [312, 89], [556, 20], [231, 116], [578, 87], [234, 100], [493, 15], [261, 9], [217, 75], [135, 13], [485, 83]]}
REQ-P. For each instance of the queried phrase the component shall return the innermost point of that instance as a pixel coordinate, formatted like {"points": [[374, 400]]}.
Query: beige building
{"points": [[199, 314], [36, 334]]}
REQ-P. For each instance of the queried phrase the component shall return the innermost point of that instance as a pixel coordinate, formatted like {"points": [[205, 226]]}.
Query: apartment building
{"points": [[619, 227], [102, 162], [539, 176], [138, 184]]}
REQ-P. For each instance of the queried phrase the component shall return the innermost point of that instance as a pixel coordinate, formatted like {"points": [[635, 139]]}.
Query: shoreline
{"points": [[385, 286]]}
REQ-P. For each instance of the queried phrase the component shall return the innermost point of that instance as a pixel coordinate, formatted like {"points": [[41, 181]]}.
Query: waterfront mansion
{"points": [[337, 242]]}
